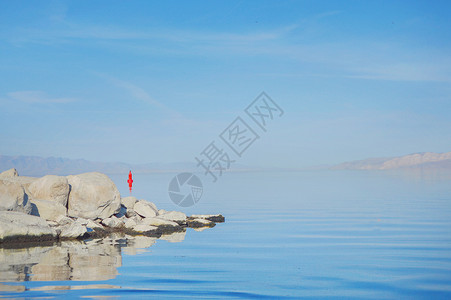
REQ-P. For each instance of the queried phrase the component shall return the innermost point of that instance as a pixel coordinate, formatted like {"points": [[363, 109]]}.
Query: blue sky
{"points": [[148, 81]]}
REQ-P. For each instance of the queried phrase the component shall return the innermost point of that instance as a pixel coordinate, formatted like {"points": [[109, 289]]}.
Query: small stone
{"points": [[63, 220], [175, 216], [112, 222], [214, 218], [130, 223], [73, 230], [128, 202], [145, 209], [197, 223]]}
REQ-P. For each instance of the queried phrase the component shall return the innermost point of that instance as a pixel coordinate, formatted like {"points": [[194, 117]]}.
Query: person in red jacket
{"points": [[130, 181]]}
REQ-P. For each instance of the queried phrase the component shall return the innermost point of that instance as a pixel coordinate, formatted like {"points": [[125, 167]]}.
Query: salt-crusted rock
{"points": [[145, 209], [52, 188], [73, 230], [13, 197], [130, 223], [49, 210], [93, 225], [17, 225], [93, 195], [159, 222], [175, 216], [113, 222], [63, 220], [130, 213]]}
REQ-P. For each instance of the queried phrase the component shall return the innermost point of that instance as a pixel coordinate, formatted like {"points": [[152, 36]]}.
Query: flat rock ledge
{"points": [[38, 211]]}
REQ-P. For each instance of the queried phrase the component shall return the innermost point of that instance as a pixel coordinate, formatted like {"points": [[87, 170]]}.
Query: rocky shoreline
{"points": [[85, 206]]}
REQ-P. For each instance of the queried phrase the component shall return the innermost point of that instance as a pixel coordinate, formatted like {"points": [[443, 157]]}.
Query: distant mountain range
{"points": [[40, 166], [425, 160]]}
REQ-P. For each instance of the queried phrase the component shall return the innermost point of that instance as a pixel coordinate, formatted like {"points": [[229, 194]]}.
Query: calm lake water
{"points": [[319, 234]]}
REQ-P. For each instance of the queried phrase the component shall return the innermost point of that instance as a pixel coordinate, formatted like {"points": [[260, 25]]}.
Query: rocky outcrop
{"points": [[81, 206], [93, 196]]}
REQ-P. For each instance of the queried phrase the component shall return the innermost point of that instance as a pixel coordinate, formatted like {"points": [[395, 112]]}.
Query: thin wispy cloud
{"points": [[138, 93]]}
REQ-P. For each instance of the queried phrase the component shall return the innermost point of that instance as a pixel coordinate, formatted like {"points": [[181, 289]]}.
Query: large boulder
{"points": [[145, 209], [19, 226], [52, 188], [49, 210], [9, 173], [93, 195], [13, 197]]}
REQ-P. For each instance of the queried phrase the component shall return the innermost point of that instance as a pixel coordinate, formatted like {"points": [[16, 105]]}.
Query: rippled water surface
{"points": [[287, 235]]}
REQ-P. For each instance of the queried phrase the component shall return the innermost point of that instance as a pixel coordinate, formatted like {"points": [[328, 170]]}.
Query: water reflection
{"points": [[91, 260]]}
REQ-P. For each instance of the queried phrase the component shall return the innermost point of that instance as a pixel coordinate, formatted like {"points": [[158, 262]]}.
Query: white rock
{"points": [[112, 222], [52, 188], [53, 223], [93, 195], [130, 223], [82, 221], [158, 222], [49, 210], [93, 225], [63, 220], [128, 202], [161, 211], [175, 216], [151, 204], [13, 197], [15, 224], [9, 173], [73, 230], [145, 209], [144, 228], [130, 213]]}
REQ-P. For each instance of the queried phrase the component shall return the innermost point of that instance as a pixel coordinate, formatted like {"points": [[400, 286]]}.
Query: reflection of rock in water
{"points": [[89, 260], [175, 237], [138, 245], [73, 260]]}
